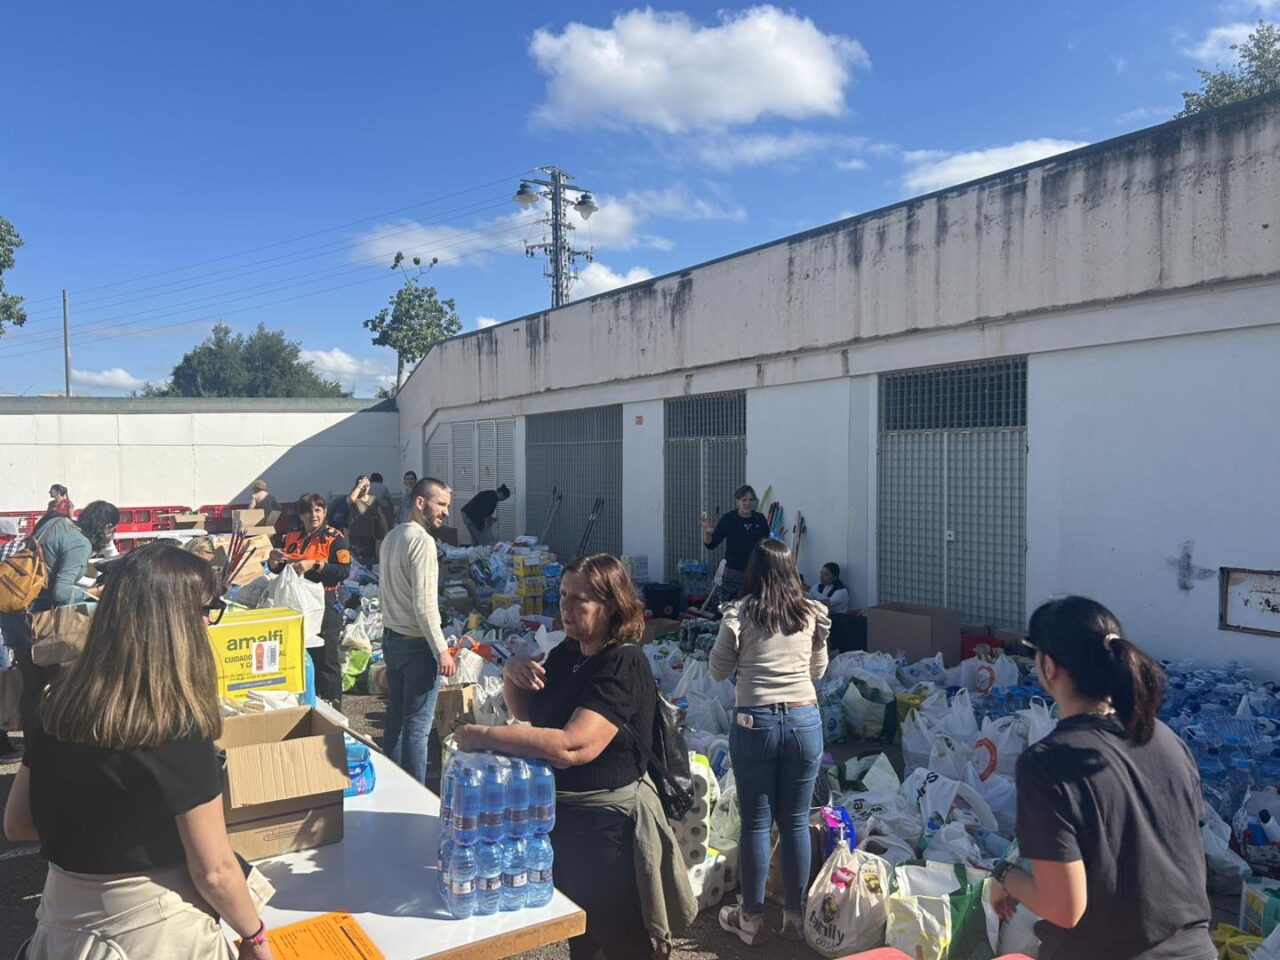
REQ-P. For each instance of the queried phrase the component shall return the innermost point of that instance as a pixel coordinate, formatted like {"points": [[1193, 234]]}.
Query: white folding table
{"points": [[383, 872]]}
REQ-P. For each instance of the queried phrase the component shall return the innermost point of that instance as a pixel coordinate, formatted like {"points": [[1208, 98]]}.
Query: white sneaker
{"points": [[749, 927], [792, 926]]}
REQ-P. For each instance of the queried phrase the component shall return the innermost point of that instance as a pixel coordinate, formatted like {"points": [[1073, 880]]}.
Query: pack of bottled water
{"points": [[495, 816]]}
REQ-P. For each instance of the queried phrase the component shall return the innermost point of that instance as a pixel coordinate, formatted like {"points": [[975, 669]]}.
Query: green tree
{"points": [[264, 364], [1257, 71], [10, 305], [414, 319]]}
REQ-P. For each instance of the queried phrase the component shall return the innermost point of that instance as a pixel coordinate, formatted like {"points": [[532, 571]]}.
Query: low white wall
{"points": [[643, 501], [1136, 449], [139, 453]]}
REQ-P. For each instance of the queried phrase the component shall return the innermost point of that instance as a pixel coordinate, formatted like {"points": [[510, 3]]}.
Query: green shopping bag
{"points": [[357, 663], [942, 911]]}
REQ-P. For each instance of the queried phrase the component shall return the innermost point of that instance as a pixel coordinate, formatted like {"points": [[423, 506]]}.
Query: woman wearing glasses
{"points": [[121, 783]]}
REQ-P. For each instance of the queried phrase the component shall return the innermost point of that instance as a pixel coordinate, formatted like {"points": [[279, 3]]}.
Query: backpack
{"points": [[668, 760], [23, 574]]}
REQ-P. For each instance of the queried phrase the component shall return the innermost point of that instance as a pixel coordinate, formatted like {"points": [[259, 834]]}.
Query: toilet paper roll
{"points": [[711, 896], [700, 788], [696, 832], [699, 811], [697, 877], [694, 854]]}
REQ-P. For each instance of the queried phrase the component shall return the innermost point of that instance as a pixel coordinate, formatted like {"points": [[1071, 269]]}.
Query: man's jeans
{"points": [[480, 535], [412, 685], [775, 763]]}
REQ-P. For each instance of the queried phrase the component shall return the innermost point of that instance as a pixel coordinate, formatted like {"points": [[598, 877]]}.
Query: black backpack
{"points": [[668, 760]]}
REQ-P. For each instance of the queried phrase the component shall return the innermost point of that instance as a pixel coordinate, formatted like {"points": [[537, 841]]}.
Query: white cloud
{"points": [[597, 278], [482, 322], [1139, 114], [664, 71], [360, 375], [929, 170], [113, 378], [1215, 49], [1120, 63], [853, 163], [452, 245], [725, 151], [678, 203]]}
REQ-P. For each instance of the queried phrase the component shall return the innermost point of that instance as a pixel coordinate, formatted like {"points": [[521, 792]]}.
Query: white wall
{"points": [[796, 442], [860, 577], [135, 458], [1138, 448], [643, 481]]}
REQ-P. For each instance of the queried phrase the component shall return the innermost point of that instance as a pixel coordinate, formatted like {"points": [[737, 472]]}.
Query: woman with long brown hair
{"points": [[585, 709], [776, 640], [121, 783]]}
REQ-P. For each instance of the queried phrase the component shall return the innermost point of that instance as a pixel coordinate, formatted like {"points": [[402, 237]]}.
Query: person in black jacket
{"points": [[740, 530], [478, 513]]}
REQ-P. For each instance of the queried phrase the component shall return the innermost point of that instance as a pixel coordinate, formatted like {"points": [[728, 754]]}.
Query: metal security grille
{"points": [[704, 461], [475, 455], [579, 453], [952, 489]]}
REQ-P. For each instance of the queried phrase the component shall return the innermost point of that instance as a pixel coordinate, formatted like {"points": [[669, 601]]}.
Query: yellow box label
{"points": [[256, 649]]}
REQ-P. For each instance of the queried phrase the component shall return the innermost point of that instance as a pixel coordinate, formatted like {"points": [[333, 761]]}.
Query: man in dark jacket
{"points": [[478, 514]]}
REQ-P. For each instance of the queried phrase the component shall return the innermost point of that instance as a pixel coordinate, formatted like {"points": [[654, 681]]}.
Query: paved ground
{"points": [[22, 877]]}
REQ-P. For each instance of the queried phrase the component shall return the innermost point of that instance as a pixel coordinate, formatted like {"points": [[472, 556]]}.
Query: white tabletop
{"points": [[384, 873], [159, 535]]}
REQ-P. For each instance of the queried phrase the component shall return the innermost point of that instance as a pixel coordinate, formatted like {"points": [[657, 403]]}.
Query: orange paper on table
{"points": [[332, 936]]}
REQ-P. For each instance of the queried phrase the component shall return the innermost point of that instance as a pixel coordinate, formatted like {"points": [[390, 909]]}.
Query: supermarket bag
{"points": [[845, 912], [1000, 742], [941, 911], [291, 589]]}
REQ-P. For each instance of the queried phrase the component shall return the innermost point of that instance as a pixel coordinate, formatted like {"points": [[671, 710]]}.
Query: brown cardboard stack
{"points": [[255, 523], [918, 631], [188, 521], [283, 781]]}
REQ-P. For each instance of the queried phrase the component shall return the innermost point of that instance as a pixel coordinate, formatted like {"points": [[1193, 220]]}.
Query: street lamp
{"points": [[558, 249]]}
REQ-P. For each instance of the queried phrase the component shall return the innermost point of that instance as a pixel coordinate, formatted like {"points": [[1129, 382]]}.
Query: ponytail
{"points": [[1084, 638]]}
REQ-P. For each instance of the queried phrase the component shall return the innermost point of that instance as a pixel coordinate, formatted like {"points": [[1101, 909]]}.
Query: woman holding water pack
{"points": [[1108, 804], [590, 712], [776, 640]]}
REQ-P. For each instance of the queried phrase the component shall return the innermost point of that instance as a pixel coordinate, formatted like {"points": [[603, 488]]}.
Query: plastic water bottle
{"points": [[515, 874], [461, 898], [540, 858], [308, 698], [518, 797], [1239, 783], [542, 812], [444, 853], [488, 877], [993, 845], [468, 801], [493, 812], [447, 783]]}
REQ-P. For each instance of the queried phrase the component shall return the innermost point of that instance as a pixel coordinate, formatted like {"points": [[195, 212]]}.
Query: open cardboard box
{"points": [[282, 782], [256, 522], [917, 630], [188, 521]]}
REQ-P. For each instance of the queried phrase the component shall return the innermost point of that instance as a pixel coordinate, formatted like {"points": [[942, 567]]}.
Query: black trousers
{"points": [[595, 868], [328, 659]]}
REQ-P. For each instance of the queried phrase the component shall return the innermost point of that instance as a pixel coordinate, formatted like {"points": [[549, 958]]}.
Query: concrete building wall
{"points": [[141, 452], [1141, 453], [643, 482]]}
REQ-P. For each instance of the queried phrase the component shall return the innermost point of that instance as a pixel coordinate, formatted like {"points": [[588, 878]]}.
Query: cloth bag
{"points": [[845, 912], [58, 635], [291, 589], [941, 911]]}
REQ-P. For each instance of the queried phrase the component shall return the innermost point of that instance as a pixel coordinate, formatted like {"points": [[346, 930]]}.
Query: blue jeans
{"points": [[412, 685], [775, 764]]}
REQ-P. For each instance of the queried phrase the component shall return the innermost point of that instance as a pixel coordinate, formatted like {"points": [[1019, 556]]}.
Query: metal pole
{"points": [[66, 342], [558, 242]]}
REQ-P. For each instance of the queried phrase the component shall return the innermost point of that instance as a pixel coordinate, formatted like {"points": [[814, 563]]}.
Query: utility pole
{"points": [[559, 249], [66, 342]]}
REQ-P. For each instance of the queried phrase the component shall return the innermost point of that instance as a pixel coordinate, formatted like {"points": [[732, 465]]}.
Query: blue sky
{"points": [[177, 164]]}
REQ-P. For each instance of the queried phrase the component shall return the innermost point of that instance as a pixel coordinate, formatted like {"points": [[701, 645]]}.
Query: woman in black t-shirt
{"points": [[121, 784], [740, 530], [1108, 804], [587, 705]]}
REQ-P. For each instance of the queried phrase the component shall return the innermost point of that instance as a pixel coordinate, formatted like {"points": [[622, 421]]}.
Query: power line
{"points": [[213, 300], [305, 236]]}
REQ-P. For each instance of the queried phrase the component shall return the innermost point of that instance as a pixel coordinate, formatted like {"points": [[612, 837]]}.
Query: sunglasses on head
{"points": [[214, 610]]}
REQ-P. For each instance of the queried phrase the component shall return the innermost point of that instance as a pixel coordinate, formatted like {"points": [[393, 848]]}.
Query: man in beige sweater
{"points": [[413, 645]]}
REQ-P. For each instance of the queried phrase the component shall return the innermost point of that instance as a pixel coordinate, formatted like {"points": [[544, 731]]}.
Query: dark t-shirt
{"points": [[741, 535], [112, 811], [481, 507], [617, 684], [1132, 814]]}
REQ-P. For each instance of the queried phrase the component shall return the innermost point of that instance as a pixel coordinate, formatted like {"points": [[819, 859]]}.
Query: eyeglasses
{"points": [[214, 610]]}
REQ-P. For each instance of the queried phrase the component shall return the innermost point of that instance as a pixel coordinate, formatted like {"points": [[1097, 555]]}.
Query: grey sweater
{"points": [[772, 668]]}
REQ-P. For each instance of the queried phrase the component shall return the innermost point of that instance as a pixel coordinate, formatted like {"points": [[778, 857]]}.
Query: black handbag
{"points": [[668, 760]]}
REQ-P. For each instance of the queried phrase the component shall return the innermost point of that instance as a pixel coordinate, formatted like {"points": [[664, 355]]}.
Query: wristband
{"points": [[258, 938], [1001, 870]]}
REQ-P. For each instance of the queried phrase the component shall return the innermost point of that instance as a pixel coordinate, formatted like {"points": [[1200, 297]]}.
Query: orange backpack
{"points": [[23, 575]]}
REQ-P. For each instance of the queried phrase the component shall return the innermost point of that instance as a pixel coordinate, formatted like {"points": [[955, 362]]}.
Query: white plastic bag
{"points": [[960, 721], [1227, 869], [488, 705], [1040, 722], [941, 798], [706, 714], [949, 756], [981, 675], [875, 773], [920, 922], [930, 670], [725, 825], [917, 741], [952, 844], [845, 912], [1018, 934], [1000, 742], [879, 839], [290, 589], [1001, 794], [696, 679]]}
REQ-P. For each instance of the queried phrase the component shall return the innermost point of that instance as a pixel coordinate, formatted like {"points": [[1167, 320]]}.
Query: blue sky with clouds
{"points": [[177, 164]]}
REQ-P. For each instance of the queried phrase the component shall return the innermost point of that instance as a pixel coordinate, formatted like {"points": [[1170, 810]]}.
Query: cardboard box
{"points": [[188, 521], [282, 782], [258, 548], [1259, 906], [447, 535], [257, 649], [527, 564], [656, 627], [453, 708], [918, 631], [256, 522]]}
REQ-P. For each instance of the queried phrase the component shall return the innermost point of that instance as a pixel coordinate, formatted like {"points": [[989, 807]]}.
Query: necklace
{"points": [[583, 660]]}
